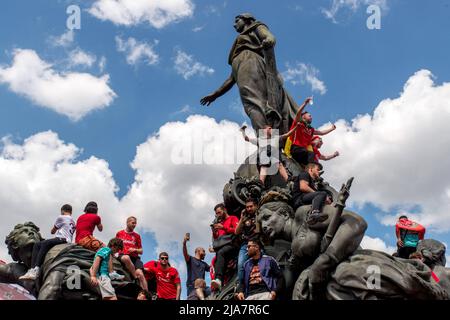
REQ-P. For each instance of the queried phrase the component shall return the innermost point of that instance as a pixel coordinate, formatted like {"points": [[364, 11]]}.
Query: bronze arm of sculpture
{"points": [[226, 86], [344, 193]]}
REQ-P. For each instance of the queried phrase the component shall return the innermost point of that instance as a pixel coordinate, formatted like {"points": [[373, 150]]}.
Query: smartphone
{"points": [[188, 236]]}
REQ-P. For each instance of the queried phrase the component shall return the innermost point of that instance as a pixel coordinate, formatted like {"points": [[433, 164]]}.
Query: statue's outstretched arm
{"points": [[226, 86]]}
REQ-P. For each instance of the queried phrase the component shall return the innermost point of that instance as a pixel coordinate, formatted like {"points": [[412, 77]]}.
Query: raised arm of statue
{"points": [[344, 193], [226, 86]]}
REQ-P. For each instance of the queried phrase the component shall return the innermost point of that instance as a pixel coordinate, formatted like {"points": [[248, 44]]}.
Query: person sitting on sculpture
{"points": [[303, 135], [316, 143], [102, 267], [408, 234], [63, 229], [264, 153], [86, 224], [249, 72], [262, 279], [304, 192], [247, 229], [132, 249], [195, 265], [224, 244]]}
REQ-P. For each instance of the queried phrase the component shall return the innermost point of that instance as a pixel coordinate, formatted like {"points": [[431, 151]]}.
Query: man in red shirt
{"points": [[132, 248], [408, 233], [168, 284], [316, 144], [303, 135], [223, 228], [85, 226]]}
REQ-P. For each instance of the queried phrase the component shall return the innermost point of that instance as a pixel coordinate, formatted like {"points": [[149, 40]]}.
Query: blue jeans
{"points": [[243, 256]]}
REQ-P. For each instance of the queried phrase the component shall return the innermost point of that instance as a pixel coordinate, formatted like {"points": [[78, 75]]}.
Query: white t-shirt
{"points": [[66, 228]]}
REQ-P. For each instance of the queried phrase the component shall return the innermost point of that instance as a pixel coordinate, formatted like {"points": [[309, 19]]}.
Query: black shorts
{"points": [[137, 262], [302, 155]]}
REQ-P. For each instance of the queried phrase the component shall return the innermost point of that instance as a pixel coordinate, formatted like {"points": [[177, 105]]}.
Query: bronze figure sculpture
{"points": [[253, 66]]}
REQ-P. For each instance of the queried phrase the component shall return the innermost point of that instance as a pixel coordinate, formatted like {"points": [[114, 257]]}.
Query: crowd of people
{"points": [[236, 241], [233, 238]]}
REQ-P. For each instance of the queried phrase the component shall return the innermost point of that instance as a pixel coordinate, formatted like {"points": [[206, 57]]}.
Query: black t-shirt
{"points": [[195, 269], [249, 230], [296, 193]]}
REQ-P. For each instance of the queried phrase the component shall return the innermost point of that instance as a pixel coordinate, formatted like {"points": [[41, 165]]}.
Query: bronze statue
{"points": [[342, 271], [278, 220], [57, 269], [253, 69]]}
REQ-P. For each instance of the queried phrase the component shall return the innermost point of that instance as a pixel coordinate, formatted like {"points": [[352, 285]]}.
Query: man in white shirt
{"points": [[63, 229]]}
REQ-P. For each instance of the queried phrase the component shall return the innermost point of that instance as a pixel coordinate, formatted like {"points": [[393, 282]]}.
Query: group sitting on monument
{"points": [[292, 240], [258, 275]]}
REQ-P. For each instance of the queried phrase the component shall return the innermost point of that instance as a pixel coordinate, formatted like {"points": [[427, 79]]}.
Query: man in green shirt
{"points": [[103, 266]]}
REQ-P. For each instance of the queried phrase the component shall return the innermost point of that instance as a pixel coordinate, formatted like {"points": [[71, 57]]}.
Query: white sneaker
{"points": [[115, 276], [31, 274], [216, 284]]}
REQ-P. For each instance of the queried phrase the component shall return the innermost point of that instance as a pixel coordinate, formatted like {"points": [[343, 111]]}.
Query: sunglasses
{"points": [[164, 258]]}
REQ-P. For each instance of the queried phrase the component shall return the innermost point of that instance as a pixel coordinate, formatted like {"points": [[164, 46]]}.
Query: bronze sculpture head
{"points": [[20, 241]]}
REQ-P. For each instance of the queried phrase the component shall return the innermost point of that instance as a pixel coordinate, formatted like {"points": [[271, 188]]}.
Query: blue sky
{"points": [[358, 67]]}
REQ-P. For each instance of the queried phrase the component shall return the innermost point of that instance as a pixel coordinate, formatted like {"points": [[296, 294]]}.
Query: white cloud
{"points": [[79, 57], [40, 175], [199, 28], [183, 110], [399, 155], [304, 74], [44, 172], [158, 13], [338, 6], [69, 93], [137, 51], [65, 40], [182, 196], [186, 66], [376, 244], [102, 64]]}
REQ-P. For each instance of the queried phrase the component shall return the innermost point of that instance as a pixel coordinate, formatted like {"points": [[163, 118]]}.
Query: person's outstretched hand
{"points": [[308, 100]]}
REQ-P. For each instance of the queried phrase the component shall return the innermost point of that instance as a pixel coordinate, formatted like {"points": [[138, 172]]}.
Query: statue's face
{"points": [[272, 222], [239, 24], [27, 236]]}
